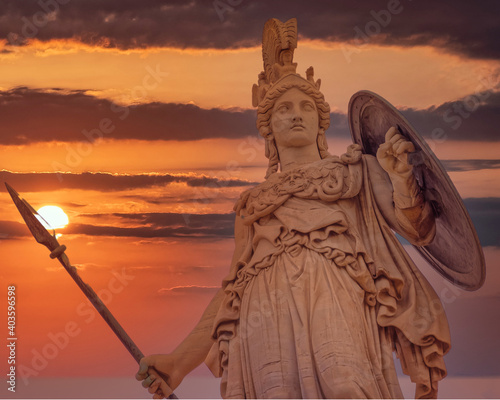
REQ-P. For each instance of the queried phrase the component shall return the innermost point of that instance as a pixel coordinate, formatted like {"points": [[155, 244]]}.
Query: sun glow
{"points": [[53, 217]]}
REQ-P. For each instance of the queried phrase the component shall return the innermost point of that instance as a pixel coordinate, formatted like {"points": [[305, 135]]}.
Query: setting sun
{"points": [[54, 216]]}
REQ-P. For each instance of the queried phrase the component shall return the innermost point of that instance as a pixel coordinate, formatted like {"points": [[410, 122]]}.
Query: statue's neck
{"points": [[293, 157]]}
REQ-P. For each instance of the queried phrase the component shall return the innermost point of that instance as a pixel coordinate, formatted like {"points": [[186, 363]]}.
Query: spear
{"points": [[43, 236]]}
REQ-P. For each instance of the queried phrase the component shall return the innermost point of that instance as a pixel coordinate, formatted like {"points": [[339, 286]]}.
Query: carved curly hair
{"points": [[264, 113]]}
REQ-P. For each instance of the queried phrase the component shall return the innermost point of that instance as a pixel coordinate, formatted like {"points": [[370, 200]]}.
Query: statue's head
{"points": [[279, 78]]}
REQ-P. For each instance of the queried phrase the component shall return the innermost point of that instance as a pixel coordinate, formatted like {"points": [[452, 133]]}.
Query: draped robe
{"points": [[320, 291]]}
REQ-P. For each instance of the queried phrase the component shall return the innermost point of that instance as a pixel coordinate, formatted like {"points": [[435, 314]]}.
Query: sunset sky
{"points": [[135, 118]]}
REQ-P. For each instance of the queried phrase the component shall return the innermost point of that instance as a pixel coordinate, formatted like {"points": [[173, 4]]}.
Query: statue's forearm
{"points": [[194, 349], [414, 214]]}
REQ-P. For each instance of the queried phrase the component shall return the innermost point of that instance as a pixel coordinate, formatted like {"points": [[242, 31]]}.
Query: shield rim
{"points": [[478, 271]]}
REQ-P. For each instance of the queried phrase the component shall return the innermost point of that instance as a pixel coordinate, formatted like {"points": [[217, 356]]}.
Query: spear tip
{"points": [[11, 190]]}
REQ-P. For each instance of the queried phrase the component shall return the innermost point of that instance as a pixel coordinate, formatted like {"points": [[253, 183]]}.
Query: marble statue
{"points": [[320, 292]]}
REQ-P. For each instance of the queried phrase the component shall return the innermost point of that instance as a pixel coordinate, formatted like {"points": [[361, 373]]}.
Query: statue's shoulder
{"points": [[326, 179], [353, 155]]}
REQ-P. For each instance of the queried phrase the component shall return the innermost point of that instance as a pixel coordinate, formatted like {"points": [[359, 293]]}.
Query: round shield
{"points": [[455, 252]]}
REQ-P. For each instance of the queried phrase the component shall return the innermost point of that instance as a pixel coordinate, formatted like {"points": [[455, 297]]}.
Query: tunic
{"points": [[321, 292]]}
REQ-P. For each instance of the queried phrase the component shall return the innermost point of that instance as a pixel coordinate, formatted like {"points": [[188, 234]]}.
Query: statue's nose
{"points": [[297, 118]]}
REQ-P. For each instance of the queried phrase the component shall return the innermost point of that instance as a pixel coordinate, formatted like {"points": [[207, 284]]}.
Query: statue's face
{"points": [[294, 120]]}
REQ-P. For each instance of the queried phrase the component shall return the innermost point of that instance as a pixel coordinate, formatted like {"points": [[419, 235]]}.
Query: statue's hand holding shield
{"points": [[392, 155]]}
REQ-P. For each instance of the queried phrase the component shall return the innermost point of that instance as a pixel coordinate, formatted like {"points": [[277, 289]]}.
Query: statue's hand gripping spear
{"points": [[44, 237]]}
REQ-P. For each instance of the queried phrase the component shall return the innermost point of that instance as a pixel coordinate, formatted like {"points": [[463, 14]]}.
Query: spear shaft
{"points": [[43, 236], [98, 304]]}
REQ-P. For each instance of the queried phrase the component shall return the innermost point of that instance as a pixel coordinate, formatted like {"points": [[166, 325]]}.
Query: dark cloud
{"points": [[13, 230], [485, 215], [158, 225], [219, 198], [474, 117], [461, 26], [148, 225], [193, 221], [73, 205], [70, 116], [339, 126], [106, 182], [74, 116], [217, 232], [469, 165]]}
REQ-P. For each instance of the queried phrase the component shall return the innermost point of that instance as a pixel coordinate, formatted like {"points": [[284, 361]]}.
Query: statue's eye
{"points": [[308, 107], [283, 108]]}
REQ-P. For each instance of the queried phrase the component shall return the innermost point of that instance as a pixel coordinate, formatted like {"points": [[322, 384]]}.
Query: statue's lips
{"points": [[298, 126]]}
